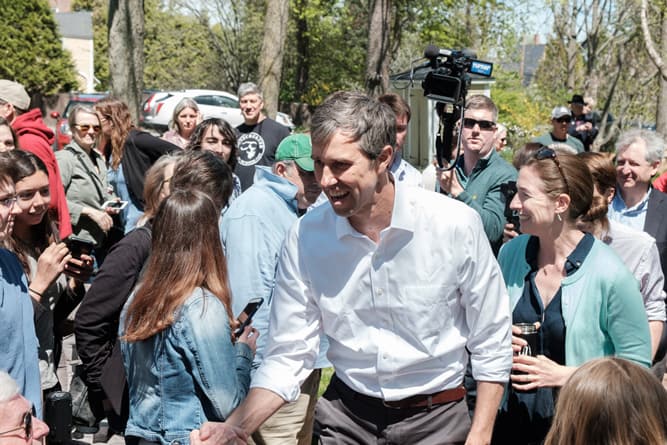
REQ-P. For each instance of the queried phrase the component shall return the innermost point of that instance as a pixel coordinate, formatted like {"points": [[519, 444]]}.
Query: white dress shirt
{"points": [[640, 254], [398, 314]]}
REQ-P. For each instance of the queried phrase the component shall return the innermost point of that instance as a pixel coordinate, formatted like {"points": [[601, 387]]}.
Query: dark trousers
{"points": [[342, 416]]}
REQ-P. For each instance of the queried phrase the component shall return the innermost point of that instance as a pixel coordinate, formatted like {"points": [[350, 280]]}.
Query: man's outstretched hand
{"points": [[216, 433]]}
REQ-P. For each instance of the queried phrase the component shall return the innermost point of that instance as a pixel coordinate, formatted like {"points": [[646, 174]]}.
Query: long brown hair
{"points": [[117, 112], [46, 232], [610, 401], [186, 254]]}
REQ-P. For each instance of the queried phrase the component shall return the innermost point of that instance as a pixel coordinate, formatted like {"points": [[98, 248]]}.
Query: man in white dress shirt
{"points": [[403, 283]]}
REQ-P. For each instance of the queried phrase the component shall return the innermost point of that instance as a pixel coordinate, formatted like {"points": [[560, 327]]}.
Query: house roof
{"points": [[75, 25]]}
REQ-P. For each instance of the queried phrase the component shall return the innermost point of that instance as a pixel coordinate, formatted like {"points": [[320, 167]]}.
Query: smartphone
{"points": [[245, 317], [78, 246], [120, 205]]}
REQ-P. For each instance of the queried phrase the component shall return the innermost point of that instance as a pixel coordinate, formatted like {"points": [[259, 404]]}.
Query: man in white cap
{"points": [[34, 136], [560, 122]]}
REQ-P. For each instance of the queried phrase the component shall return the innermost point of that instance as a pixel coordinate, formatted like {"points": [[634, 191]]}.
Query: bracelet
{"points": [[35, 292]]}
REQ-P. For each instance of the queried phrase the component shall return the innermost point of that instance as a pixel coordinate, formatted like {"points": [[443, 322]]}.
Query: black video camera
{"points": [[448, 83], [449, 79]]}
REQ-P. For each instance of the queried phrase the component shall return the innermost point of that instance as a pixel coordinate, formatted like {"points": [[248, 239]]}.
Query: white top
{"points": [[405, 173], [398, 314], [639, 252]]}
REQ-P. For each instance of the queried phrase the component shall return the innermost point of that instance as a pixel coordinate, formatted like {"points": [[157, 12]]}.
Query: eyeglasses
{"points": [[85, 128], [564, 119], [483, 125], [548, 153], [26, 427], [8, 201]]}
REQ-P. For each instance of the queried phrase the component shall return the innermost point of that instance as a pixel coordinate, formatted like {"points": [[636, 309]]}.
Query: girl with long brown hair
{"points": [[182, 364]]}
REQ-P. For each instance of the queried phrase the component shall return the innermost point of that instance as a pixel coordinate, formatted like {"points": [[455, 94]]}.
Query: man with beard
{"points": [[478, 175], [259, 135]]}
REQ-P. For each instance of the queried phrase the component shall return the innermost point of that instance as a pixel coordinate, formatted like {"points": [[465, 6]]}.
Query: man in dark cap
{"points": [[582, 125]]}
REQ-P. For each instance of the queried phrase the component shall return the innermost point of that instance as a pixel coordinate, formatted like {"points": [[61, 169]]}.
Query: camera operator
{"points": [[480, 171]]}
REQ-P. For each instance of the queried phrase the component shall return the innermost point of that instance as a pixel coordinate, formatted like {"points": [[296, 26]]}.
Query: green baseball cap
{"points": [[297, 148]]}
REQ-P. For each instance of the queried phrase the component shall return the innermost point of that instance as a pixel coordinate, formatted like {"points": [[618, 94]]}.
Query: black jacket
{"points": [[96, 325]]}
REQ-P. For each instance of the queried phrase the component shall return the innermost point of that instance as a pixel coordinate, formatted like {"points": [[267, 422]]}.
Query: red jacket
{"points": [[34, 136]]}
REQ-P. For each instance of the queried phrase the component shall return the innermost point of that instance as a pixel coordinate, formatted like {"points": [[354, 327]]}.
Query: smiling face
{"points": [[251, 108], [33, 199], [478, 141], [186, 121], [347, 175], [535, 207], [85, 130], [633, 171]]}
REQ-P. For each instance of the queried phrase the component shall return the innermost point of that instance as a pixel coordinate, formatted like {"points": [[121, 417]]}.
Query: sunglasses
{"points": [[85, 128], [548, 153], [483, 125], [26, 427], [564, 119]]}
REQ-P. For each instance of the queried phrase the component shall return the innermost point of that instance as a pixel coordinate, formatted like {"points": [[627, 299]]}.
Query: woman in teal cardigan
{"points": [[584, 301]]}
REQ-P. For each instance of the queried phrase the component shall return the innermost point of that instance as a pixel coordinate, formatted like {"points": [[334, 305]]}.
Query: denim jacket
{"points": [[185, 375]]}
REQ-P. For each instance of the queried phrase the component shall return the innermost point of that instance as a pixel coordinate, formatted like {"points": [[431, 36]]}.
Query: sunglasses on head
{"points": [[483, 125], [26, 426], [85, 128], [549, 153]]}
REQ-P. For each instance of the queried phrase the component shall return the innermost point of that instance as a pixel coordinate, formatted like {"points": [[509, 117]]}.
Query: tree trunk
{"points": [[271, 57], [377, 60], [661, 111], [302, 52], [126, 52]]}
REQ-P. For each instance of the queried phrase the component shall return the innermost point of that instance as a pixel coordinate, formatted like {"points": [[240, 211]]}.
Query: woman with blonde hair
{"points": [[183, 364], [610, 401]]}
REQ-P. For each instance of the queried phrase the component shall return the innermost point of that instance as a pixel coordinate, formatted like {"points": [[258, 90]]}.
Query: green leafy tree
{"points": [[31, 51], [178, 50]]}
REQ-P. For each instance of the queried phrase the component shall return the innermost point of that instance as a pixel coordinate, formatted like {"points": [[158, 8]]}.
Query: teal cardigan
{"points": [[603, 310]]}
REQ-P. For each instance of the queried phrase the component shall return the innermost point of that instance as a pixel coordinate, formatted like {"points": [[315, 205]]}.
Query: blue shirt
{"points": [[634, 216], [253, 231], [131, 213], [18, 342]]}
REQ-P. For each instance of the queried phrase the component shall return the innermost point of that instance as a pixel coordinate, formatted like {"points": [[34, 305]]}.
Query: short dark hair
{"points": [[398, 105], [204, 171], [226, 131]]}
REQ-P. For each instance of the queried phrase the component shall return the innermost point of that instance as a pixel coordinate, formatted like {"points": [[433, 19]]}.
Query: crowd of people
{"points": [[503, 303]]}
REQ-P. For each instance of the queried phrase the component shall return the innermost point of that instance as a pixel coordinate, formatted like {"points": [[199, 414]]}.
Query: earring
{"points": [[559, 218]]}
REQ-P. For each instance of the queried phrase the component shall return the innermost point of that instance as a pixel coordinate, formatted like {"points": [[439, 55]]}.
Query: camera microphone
{"points": [[432, 51]]}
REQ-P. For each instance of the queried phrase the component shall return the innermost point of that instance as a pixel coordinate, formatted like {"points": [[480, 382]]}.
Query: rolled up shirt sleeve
{"points": [[487, 308]]}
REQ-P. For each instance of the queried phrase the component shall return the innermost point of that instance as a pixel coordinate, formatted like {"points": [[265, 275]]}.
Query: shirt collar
{"points": [[402, 214], [620, 206]]}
